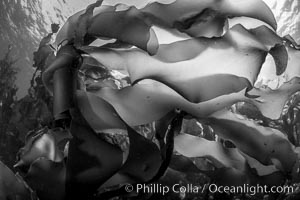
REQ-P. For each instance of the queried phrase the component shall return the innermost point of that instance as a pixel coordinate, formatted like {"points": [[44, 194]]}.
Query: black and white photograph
{"points": [[149, 99]]}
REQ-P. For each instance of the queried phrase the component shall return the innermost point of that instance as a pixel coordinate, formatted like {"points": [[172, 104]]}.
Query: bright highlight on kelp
{"points": [[199, 77]]}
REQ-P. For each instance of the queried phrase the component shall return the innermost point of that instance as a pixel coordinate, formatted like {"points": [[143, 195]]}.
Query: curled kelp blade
{"points": [[275, 45], [226, 162], [189, 49], [13, 186], [206, 16], [193, 146], [127, 26], [165, 68], [266, 145], [196, 18], [171, 59], [286, 56], [142, 104], [220, 156], [271, 102], [83, 22], [228, 64], [67, 31]]}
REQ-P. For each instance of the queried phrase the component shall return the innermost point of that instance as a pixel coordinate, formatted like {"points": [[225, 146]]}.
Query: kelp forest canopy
{"points": [[117, 106]]}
